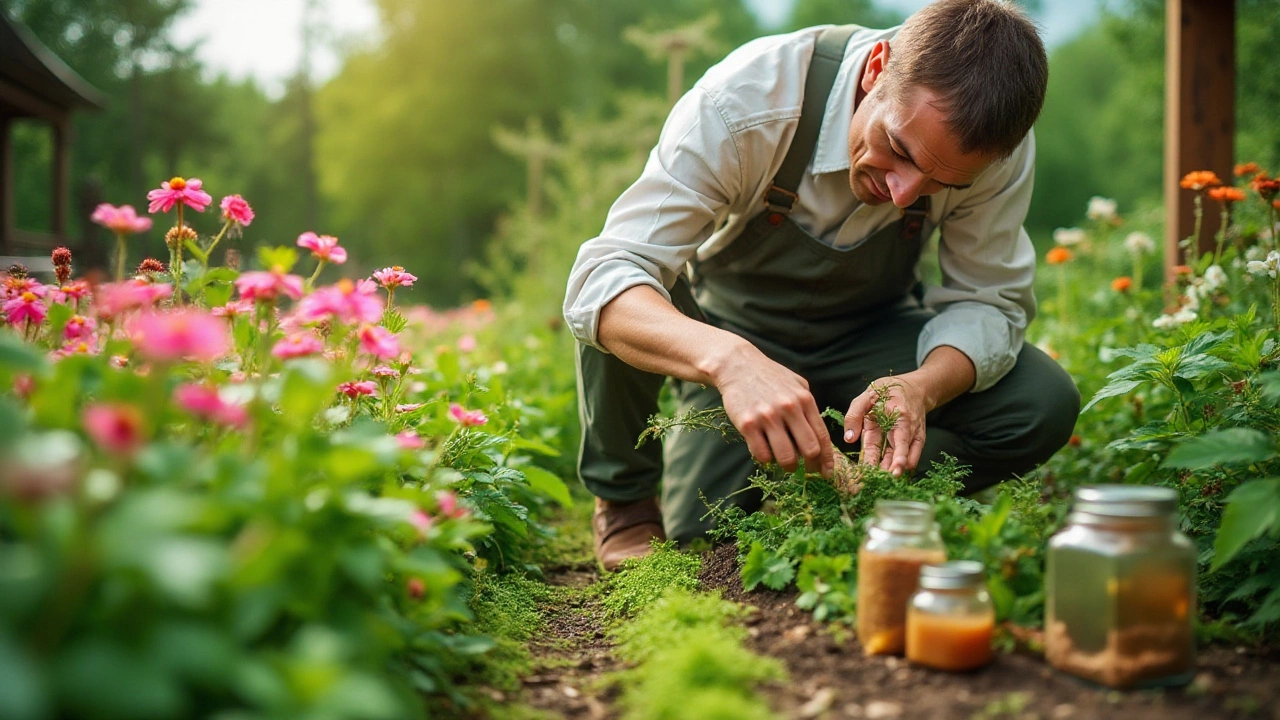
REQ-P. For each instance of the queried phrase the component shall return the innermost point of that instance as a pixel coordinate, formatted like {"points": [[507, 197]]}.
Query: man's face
{"points": [[900, 150]]}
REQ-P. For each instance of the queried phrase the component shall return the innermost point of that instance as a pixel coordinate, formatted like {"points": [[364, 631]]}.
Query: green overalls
{"points": [[840, 318]]}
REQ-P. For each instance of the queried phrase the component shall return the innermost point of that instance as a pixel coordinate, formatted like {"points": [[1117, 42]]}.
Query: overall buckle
{"points": [[778, 203]]}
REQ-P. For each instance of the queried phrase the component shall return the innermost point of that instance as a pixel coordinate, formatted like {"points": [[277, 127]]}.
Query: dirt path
{"points": [[835, 680], [572, 654]]}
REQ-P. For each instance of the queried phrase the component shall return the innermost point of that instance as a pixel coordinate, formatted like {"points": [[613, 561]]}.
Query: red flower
{"points": [[1266, 187], [116, 428]]}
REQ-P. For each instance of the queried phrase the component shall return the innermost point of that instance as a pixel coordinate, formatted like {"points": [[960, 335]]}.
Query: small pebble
{"points": [[853, 710], [892, 662], [818, 704], [902, 674], [1063, 711], [880, 709], [1201, 685], [570, 691]]}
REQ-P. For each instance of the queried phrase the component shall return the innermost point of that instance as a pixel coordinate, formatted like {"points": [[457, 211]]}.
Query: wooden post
{"points": [[61, 178], [6, 186], [1199, 124]]}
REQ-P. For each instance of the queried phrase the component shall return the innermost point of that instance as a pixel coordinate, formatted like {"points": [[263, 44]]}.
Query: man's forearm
{"points": [[945, 375], [646, 331]]}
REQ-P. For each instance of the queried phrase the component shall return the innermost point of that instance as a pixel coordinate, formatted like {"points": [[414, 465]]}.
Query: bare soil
{"points": [[833, 679]]}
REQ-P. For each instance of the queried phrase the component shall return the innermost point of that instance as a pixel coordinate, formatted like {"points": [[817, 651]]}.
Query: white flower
{"points": [[1069, 236], [1258, 267], [1139, 243], [1164, 322], [1214, 278], [1193, 294], [1101, 208], [500, 368], [1255, 252], [1182, 317]]}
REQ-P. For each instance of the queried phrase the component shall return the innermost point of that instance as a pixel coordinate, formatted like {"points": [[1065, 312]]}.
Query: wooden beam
{"points": [[61, 179], [6, 185], [1199, 122]]}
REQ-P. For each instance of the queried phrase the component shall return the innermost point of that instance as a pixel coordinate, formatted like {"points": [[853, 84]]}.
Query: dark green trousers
{"points": [[1004, 431]]}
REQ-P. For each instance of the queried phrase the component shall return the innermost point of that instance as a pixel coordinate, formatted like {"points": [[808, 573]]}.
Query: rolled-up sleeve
{"points": [[657, 224], [988, 264]]}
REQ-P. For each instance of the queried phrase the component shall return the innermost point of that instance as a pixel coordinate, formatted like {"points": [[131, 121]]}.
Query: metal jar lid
{"points": [[1126, 501], [953, 575]]}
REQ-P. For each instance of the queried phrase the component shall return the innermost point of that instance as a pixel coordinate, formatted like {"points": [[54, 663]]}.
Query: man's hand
{"points": [[946, 374], [775, 412]]}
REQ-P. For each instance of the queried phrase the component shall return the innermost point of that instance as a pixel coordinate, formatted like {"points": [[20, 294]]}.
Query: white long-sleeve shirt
{"points": [[718, 152]]}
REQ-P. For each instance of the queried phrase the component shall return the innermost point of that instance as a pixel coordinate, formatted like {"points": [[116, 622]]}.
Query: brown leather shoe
{"points": [[624, 530]]}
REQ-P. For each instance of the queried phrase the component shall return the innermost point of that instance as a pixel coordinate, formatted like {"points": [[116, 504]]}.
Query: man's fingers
{"points": [[917, 447], [824, 460], [853, 419], [871, 435], [758, 444], [784, 452], [900, 440]]}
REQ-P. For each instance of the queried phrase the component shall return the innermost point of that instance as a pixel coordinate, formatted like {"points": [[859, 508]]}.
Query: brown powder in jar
{"points": [[886, 581], [1131, 655]]}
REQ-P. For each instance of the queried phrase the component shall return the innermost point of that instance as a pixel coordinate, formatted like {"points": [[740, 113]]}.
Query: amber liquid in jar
{"points": [[901, 538], [950, 619]]}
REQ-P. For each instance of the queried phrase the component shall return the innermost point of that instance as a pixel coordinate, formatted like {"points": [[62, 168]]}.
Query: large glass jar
{"points": [[901, 537], [1120, 589], [950, 619]]}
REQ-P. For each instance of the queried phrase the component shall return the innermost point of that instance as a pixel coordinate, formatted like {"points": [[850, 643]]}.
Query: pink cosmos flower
{"points": [[394, 277], [408, 407], [25, 308], [116, 428], [410, 440], [121, 220], [236, 210], [466, 418], [379, 342], [115, 299], [204, 402], [79, 327], [386, 371], [180, 334], [267, 286], [344, 300], [467, 343], [233, 309], [84, 346], [354, 389], [178, 190], [76, 289], [297, 345], [449, 506], [421, 521], [13, 287], [323, 247]]}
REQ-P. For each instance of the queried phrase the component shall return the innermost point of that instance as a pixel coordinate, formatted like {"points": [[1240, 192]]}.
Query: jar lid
{"points": [[953, 575], [904, 515], [1134, 501]]}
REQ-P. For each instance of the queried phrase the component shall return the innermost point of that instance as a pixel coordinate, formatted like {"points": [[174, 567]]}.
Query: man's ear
{"points": [[876, 63]]}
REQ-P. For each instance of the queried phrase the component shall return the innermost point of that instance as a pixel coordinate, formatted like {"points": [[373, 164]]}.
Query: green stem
{"points": [[1137, 271], [120, 259], [208, 253], [176, 267], [1193, 250], [1222, 235], [1062, 306], [312, 280]]}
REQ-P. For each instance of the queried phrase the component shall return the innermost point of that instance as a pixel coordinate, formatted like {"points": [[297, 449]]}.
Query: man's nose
{"points": [[905, 187]]}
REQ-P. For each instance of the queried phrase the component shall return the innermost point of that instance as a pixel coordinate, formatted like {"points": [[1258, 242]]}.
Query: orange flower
{"points": [[1058, 255], [1275, 204], [1181, 269], [1248, 168], [1266, 187], [1075, 441], [1226, 195], [1200, 179], [1122, 284], [481, 306]]}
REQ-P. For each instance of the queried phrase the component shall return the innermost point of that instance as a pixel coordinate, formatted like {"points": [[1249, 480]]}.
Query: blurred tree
{"points": [[866, 13]]}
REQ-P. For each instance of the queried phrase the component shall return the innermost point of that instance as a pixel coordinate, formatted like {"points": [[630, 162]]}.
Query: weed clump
{"points": [[642, 581]]}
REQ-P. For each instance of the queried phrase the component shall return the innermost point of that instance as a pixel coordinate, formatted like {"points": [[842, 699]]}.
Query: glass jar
{"points": [[950, 619], [1120, 589], [901, 537]]}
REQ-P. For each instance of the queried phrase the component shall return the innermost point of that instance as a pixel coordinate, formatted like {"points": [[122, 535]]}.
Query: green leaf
{"points": [[1232, 445], [987, 528], [1002, 596], [1112, 389], [15, 355], [1252, 509], [59, 314], [534, 445], [277, 257], [196, 252], [1269, 384], [762, 566], [548, 484], [23, 691], [393, 321]]}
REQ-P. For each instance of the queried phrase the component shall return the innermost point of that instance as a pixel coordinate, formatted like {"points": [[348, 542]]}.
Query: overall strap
{"points": [[823, 68]]}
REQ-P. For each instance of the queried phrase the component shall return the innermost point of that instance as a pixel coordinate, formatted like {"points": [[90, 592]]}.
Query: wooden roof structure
{"points": [[36, 84]]}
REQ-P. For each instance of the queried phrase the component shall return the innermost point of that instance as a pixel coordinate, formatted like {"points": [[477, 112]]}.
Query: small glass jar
{"points": [[1120, 589], [950, 619], [901, 537]]}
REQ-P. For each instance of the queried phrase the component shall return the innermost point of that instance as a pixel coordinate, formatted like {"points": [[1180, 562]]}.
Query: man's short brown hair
{"points": [[985, 61]]}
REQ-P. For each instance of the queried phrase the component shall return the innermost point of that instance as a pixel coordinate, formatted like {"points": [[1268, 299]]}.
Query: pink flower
{"points": [[379, 342], [421, 521], [267, 286], [24, 385], [394, 277], [296, 346], [233, 309], [408, 407], [236, 210], [116, 428], [466, 418], [467, 343], [87, 345], [13, 287], [180, 334], [114, 299], [386, 371], [78, 327], [76, 289], [121, 220], [24, 308], [344, 300], [353, 389], [449, 506], [178, 190], [409, 440], [324, 247], [204, 402]]}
